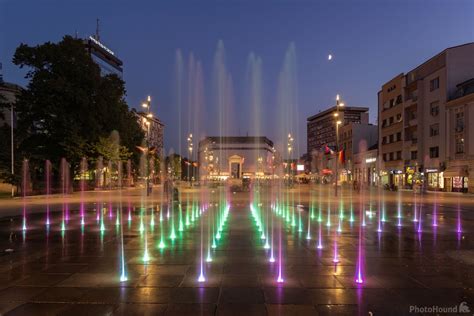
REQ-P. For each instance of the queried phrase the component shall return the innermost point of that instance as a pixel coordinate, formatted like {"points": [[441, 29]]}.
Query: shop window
{"points": [[434, 152]]}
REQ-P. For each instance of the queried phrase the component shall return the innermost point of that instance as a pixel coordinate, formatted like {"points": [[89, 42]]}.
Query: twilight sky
{"points": [[371, 41]]}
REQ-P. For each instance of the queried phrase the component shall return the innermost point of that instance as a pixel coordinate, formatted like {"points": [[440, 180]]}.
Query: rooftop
{"points": [[341, 109]]}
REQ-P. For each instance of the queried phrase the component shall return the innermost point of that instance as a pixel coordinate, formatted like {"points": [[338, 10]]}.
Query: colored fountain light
{"points": [[123, 278], [201, 278]]}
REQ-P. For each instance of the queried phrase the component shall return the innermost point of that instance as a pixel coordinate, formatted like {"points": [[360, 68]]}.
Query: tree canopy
{"points": [[68, 107]]}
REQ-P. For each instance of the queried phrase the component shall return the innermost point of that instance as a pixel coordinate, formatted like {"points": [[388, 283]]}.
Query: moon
{"points": [[329, 57]]}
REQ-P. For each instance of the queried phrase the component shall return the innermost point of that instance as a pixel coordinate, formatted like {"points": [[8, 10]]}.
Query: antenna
{"points": [[97, 36]]}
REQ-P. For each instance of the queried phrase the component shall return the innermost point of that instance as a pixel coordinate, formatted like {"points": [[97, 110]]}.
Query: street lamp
{"points": [[338, 122], [146, 120], [190, 149], [12, 147], [290, 148]]}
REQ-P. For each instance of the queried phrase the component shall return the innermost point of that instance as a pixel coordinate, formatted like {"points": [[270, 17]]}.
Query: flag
{"points": [[342, 157]]}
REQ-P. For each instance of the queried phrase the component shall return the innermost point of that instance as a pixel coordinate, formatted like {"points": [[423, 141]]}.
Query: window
{"points": [[399, 117], [399, 99], [399, 136], [434, 84], [384, 157], [384, 140], [391, 138], [459, 121], [459, 144], [434, 130], [391, 156], [391, 120], [434, 152], [434, 108], [384, 123], [399, 155], [392, 101], [414, 155]]}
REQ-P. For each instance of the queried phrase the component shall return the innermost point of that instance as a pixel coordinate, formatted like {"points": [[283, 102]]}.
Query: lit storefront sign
{"points": [[431, 170], [370, 160]]}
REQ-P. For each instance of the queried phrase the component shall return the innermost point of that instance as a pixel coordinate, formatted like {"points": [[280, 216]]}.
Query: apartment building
{"points": [[413, 134]]}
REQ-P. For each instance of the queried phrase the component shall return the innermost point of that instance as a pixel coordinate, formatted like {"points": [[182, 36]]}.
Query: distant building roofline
{"points": [[236, 139], [341, 109]]}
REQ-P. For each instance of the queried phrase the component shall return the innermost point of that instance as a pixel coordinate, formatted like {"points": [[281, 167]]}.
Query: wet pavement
{"points": [[72, 269]]}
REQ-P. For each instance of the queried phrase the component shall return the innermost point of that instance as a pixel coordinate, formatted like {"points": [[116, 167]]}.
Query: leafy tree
{"points": [[68, 106], [110, 149]]}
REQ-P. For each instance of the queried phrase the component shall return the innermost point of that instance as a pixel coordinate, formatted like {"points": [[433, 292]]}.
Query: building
{"points": [[8, 94], [321, 127], [459, 173], [156, 129], [321, 139], [365, 168], [104, 57], [235, 157], [413, 134], [354, 138]]}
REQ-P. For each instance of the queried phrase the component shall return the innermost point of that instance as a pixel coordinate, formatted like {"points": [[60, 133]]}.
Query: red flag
{"points": [[342, 157]]}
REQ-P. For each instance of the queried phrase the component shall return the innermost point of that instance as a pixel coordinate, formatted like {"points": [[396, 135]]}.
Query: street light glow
{"points": [[144, 105]]}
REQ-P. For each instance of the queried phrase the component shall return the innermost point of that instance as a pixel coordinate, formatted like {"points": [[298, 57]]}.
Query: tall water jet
{"points": [[83, 176], [25, 188], [47, 175], [65, 183]]}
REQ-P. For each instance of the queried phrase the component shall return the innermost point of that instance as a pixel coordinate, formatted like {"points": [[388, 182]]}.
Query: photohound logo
{"points": [[462, 308]]}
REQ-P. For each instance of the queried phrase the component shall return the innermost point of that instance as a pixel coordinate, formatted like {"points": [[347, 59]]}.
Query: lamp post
{"points": [[338, 122], [12, 148], [190, 149], [290, 148], [147, 119]]}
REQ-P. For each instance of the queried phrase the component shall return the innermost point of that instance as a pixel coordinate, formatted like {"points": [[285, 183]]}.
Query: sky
{"points": [[371, 42]]}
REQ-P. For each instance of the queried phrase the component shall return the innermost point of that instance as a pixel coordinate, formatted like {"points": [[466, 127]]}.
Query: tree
{"points": [[110, 149], [68, 106]]}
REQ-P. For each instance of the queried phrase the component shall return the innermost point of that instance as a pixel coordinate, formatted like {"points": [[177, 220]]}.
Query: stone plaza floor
{"points": [[70, 268]]}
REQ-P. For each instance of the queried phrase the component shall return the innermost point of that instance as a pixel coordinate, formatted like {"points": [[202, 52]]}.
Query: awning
{"points": [[456, 171]]}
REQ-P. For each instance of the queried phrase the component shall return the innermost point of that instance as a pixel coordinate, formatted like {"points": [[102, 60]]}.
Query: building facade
{"points": [[104, 57], [321, 128], [413, 134], [459, 173], [365, 166], [354, 138], [8, 94], [156, 130], [235, 157]]}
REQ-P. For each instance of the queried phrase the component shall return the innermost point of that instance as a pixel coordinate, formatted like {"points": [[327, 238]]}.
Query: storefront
{"points": [[397, 178], [435, 179], [456, 179]]}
